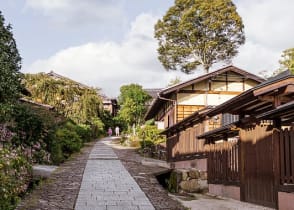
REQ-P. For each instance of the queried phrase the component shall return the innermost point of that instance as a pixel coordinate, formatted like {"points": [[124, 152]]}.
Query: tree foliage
{"points": [[198, 33], [10, 64], [132, 100], [174, 81], [82, 105], [287, 60]]}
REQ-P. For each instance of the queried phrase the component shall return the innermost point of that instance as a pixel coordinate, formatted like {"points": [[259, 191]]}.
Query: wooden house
{"points": [[110, 105], [258, 166], [177, 106]]}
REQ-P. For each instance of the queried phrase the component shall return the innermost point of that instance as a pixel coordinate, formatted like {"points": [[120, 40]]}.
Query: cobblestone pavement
{"points": [[107, 184], [60, 191], [144, 176]]}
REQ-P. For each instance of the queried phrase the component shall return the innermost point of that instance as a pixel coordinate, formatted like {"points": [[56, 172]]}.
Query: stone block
{"points": [[194, 174], [190, 186], [203, 184], [203, 175], [184, 175]]}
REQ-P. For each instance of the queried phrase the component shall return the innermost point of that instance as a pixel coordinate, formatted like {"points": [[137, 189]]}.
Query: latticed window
{"points": [[229, 118]]}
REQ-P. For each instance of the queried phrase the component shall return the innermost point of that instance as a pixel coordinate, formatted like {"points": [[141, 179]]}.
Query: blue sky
{"points": [[109, 43]]}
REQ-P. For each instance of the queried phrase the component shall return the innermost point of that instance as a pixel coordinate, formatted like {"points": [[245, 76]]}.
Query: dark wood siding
{"points": [[257, 176], [223, 163], [185, 145]]}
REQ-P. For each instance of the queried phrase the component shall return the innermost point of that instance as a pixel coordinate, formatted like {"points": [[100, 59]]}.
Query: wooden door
{"points": [[257, 174]]}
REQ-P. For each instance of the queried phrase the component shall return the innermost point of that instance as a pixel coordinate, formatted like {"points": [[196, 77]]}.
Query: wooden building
{"points": [[182, 107], [177, 102], [110, 105], [258, 165]]}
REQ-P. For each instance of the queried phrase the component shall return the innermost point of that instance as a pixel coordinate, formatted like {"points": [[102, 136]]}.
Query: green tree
{"points": [[82, 105], [287, 60], [132, 100], [10, 64], [198, 33]]}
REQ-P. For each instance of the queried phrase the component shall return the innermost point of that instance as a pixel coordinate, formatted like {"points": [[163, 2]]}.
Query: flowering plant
{"points": [[15, 174]]}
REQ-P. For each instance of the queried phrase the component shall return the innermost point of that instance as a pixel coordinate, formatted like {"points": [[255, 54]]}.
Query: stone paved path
{"points": [[107, 184], [60, 191]]}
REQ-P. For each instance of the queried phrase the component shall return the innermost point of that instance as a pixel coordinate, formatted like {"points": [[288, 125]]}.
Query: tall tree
{"points": [[199, 33], [10, 64], [287, 60], [132, 100]]}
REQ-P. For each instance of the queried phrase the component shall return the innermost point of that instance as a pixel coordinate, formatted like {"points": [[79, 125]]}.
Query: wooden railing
{"points": [[223, 163]]}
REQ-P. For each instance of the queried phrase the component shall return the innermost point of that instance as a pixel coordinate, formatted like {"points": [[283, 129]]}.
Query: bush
{"points": [[57, 156], [84, 131], [66, 139], [173, 183], [15, 173], [150, 134], [27, 126], [146, 143], [69, 140], [97, 127]]}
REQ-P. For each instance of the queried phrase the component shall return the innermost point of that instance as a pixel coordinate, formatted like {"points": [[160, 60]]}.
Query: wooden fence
{"points": [[223, 163], [185, 145], [286, 158]]}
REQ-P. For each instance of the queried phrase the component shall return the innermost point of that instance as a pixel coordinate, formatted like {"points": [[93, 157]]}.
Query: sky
{"points": [[110, 43]]}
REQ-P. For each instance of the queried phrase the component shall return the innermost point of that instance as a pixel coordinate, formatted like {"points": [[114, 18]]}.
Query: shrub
{"points": [[173, 183], [97, 127], [57, 156], [84, 131], [69, 140], [146, 143], [27, 126], [150, 134], [15, 173]]}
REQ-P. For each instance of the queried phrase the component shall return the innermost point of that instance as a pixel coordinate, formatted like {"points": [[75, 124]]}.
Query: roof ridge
{"points": [[207, 75]]}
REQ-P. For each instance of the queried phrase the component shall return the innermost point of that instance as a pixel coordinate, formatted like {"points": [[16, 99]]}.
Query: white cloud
{"points": [[134, 60], [268, 22], [268, 30], [77, 11], [109, 64]]}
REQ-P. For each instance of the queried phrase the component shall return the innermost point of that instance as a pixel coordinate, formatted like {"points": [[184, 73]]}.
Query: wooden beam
{"points": [[211, 92], [243, 104], [277, 101], [256, 105], [289, 89], [260, 110], [227, 83], [283, 99], [272, 87]]}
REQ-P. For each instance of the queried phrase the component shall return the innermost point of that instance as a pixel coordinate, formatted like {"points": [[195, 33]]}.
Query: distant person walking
{"points": [[117, 131], [109, 131]]}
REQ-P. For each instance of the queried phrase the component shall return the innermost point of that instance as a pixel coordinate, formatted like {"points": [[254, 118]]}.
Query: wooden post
{"points": [[241, 165], [276, 162]]}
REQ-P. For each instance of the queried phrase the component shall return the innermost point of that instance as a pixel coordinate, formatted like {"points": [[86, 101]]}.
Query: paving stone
{"points": [[61, 191], [106, 178]]}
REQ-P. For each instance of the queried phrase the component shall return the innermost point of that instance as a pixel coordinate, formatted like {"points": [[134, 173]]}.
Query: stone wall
{"points": [[188, 180]]}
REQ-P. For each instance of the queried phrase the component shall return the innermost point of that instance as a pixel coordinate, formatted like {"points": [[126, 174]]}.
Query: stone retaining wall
{"points": [[188, 180]]}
